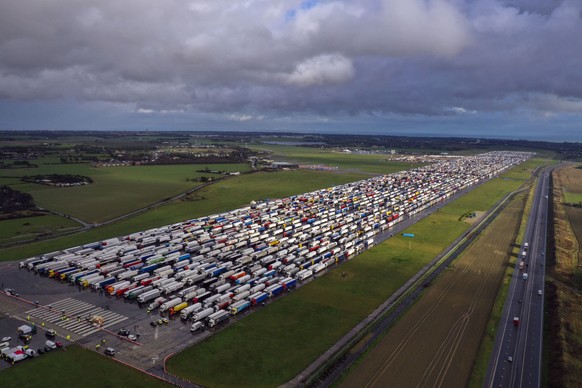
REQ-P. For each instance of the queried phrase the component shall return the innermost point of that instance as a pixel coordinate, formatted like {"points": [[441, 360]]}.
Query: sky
{"points": [[475, 68]]}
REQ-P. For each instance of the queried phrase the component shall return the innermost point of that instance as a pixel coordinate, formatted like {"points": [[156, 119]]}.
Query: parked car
{"points": [[51, 333], [10, 291], [110, 352]]}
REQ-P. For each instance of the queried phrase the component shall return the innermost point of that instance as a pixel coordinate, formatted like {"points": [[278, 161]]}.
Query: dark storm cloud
{"points": [[248, 59]]}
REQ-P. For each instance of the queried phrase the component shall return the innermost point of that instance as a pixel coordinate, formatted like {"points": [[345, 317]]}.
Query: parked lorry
{"points": [[178, 308], [149, 295], [217, 317], [239, 306], [261, 297], [156, 303], [169, 304], [192, 309], [202, 314]]}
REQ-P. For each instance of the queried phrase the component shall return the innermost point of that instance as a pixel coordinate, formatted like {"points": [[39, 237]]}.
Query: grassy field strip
{"points": [[19, 229], [563, 296], [435, 342], [75, 365], [391, 310]]}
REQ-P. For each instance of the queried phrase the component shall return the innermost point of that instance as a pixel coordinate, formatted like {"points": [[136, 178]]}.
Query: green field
{"points": [[371, 163], [222, 196], [274, 344], [574, 198], [31, 227], [115, 191], [524, 170], [75, 366]]}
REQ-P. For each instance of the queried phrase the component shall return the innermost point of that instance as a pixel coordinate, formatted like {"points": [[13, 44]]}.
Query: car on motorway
{"points": [[510, 359], [539, 292], [154, 323], [51, 333], [123, 332]]}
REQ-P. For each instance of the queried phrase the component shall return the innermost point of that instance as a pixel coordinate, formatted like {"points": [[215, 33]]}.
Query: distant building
{"points": [[284, 165]]}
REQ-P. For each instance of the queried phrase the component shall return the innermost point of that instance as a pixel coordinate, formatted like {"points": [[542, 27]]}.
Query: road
{"points": [[517, 354]]}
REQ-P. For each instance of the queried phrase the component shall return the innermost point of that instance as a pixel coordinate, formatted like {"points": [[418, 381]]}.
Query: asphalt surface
{"points": [[517, 354]]}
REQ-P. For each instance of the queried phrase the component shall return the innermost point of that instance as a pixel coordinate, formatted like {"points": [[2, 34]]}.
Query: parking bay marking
{"points": [[75, 316]]}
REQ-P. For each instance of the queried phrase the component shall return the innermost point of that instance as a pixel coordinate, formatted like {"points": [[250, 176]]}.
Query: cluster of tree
{"points": [[12, 200], [203, 179], [55, 179], [17, 164]]}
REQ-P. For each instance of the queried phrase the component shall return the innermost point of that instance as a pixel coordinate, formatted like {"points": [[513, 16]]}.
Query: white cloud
{"points": [[321, 70], [461, 110], [260, 57], [240, 117]]}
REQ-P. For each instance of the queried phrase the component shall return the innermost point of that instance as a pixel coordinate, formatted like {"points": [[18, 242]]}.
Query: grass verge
{"points": [[75, 366]]}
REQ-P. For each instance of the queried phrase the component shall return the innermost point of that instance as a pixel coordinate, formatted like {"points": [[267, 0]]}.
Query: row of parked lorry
{"points": [[210, 268]]}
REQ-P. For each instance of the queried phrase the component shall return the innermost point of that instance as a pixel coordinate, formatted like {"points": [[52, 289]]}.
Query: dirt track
{"points": [[435, 343]]}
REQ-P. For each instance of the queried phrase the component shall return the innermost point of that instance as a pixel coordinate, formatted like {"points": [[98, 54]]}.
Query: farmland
{"points": [[115, 191], [437, 340], [564, 284], [252, 347], [371, 163], [75, 366], [29, 227]]}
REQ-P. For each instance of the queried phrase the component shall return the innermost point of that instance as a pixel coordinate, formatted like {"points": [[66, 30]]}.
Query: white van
{"points": [[30, 353], [196, 326]]}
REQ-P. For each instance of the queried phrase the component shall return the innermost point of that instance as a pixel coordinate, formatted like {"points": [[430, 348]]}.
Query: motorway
{"points": [[517, 354]]}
